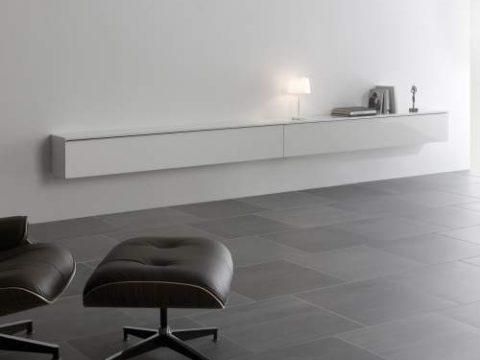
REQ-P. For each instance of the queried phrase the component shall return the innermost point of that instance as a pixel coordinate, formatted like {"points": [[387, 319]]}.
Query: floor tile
{"points": [[473, 206], [375, 301], [86, 248], [472, 261], [52, 231], [92, 263], [347, 192], [318, 239], [448, 182], [397, 186], [100, 346], [236, 299], [355, 263], [247, 315], [324, 349], [452, 217], [469, 314], [278, 278], [411, 203], [431, 248], [254, 250], [470, 234], [457, 281], [220, 209], [286, 200], [80, 279], [162, 231], [242, 226], [393, 205], [286, 332], [388, 228], [275, 323], [68, 319], [312, 216], [458, 347], [148, 218], [435, 198], [467, 189], [450, 179], [389, 338]]}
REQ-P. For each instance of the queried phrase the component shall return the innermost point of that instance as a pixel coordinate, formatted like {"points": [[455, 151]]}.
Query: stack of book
{"points": [[353, 111], [382, 98]]}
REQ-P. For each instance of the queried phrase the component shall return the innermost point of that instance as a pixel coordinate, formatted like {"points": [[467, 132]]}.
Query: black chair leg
{"points": [[180, 347], [190, 334], [142, 347], [15, 327], [141, 333], [13, 343]]}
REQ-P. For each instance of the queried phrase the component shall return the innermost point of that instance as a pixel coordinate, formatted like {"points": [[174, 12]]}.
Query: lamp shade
{"points": [[299, 86]]}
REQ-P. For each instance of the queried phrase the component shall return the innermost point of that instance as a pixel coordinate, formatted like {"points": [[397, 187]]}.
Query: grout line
{"points": [[362, 325], [360, 347]]}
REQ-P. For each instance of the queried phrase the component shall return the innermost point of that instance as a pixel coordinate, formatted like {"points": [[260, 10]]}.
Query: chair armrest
{"points": [[13, 232]]}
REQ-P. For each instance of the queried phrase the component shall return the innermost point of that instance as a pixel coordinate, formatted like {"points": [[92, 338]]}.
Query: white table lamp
{"points": [[299, 86]]}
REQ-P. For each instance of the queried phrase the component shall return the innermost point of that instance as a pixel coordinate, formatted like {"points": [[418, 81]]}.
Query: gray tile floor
{"points": [[384, 270]]}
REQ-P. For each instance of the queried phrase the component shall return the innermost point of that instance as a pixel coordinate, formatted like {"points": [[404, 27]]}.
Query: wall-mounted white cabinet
{"points": [[119, 152], [325, 137], [75, 158]]}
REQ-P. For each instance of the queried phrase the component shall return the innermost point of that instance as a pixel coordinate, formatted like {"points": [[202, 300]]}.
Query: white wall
{"points": [[76, 64], [475, 85]]}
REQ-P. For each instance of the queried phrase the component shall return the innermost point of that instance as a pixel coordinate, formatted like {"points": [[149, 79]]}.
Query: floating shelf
{"points": [[96, 153]]}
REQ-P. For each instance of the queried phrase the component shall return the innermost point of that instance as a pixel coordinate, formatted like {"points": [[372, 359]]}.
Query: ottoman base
{"points": [[164, 337]]}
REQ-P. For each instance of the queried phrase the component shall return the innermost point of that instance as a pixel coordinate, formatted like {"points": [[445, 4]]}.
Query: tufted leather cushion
{"points": [[162, 272], [32, 275]]}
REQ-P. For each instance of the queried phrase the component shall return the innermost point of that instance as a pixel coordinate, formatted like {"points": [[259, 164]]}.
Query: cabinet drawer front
{"points": [[116, 155], [363, 134]]}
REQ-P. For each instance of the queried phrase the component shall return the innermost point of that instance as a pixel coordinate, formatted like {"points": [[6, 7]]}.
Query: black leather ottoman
{"points": [[158, 272]]}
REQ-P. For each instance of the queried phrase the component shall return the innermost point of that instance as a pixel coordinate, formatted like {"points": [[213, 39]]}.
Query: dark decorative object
{"points": [[414, 91], [382, 99], [374, 102]]}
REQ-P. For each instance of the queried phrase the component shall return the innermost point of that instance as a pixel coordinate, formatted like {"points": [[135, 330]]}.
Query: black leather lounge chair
{"points": [[162, 273], [31, 275]]}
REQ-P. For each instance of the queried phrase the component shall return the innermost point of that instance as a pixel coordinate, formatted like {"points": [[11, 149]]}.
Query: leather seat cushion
{"points": [[162, 272], [33, 275]]}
